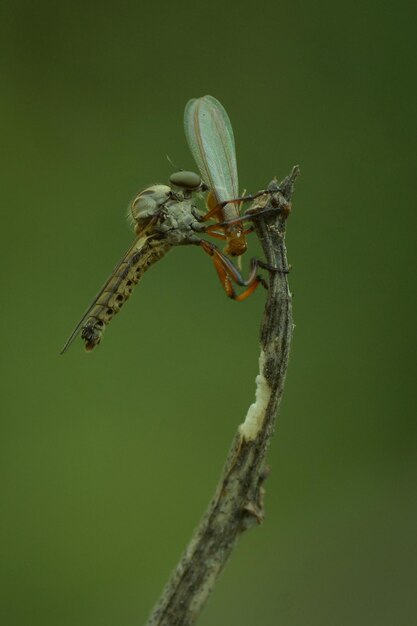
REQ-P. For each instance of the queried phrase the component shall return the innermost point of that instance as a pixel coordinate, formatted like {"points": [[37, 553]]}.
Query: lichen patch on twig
{"points": [[256, 412]]}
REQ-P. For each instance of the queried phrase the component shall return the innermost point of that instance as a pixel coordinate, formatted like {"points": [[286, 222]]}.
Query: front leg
{"points": [[228, 273]]}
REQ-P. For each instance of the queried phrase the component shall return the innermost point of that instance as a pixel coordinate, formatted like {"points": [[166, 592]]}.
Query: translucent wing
{"points": [[210, 138]]}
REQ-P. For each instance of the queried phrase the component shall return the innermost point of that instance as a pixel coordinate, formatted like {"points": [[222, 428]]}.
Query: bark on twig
{"points": [[238, 502]]}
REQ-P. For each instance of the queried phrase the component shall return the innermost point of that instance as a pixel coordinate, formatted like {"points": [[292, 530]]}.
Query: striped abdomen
{"points": [[118, 289], [142, 254]]}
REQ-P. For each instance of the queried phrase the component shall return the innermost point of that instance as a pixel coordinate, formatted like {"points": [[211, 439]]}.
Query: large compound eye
{"points": [[186, 180]]}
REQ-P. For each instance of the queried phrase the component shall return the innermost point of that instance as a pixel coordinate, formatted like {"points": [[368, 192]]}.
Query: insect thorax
{"points": [[147, 203], [177, 224]]}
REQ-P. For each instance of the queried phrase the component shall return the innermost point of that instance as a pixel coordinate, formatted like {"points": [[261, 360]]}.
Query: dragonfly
{"points": [[164, 216]]}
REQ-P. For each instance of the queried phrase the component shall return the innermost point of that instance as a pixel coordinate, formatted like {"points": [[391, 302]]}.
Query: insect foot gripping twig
{"points": [[238, 501]]}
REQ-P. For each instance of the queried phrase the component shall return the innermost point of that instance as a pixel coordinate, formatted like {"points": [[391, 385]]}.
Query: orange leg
{"points": [[214, 210], [213, 232], [250, 197], [228, 273], [223, 277], [254, 214], [247, 231]]}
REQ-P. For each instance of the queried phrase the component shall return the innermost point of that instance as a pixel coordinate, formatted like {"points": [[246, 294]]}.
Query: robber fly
{"points": [[164, 216]]}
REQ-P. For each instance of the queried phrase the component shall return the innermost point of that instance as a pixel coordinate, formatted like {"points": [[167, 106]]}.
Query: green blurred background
{"points": [[108, 460]]}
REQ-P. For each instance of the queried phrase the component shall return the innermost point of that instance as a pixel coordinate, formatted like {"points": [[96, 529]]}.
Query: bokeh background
{"points": [[108, 460]]}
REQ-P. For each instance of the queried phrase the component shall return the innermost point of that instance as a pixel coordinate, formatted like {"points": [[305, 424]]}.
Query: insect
{"points": [[210, 138], [164, 216]]}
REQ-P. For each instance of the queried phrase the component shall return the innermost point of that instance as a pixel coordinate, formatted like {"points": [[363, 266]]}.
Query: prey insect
{"points": [[211, 141], [164, 216]]}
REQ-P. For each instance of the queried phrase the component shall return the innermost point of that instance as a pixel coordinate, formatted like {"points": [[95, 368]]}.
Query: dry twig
{"points": [[238, 502]]}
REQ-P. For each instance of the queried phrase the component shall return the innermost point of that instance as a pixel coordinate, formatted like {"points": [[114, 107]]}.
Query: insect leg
{"points": [[271, 268], [214, 209], [252, 215], [250, 197], [227, 273], [213, 232]]}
